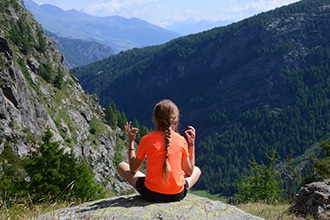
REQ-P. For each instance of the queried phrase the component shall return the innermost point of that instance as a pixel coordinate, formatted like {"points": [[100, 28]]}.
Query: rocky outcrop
{"points": [[133, 207], [18, 111], [313, 199]]}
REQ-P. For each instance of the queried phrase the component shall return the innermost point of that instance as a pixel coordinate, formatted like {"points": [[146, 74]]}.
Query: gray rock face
{"points": [[17, 110], [133, 207]]}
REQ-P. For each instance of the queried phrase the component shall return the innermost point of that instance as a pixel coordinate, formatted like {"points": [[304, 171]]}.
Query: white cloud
{"points": [[237, 12], [233, 10], [263, 5], [113, 6]]}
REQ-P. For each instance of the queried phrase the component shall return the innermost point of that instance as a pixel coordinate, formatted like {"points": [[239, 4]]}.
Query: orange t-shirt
{"points": [[152, 147]]}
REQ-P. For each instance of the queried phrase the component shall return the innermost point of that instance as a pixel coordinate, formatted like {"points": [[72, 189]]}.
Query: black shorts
{"points": [[151, 196]]}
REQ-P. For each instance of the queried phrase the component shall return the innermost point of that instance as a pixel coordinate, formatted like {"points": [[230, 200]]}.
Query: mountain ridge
{"points": [[117, 32], [192, 26]]}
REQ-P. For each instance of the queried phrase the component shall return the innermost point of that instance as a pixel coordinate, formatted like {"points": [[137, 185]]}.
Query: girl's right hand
{"points": [[191, 134], [131, 132]]}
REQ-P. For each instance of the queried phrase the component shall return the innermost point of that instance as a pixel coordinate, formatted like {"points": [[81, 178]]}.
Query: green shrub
{"points": [[62, 176], [262, 185]]}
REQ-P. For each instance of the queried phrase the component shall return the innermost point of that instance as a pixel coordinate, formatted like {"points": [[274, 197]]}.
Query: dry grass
{"points": [[270, 212], [27, 211]]}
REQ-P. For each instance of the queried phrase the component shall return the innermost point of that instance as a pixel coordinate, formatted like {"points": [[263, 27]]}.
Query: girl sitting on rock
{"points": [[170, 169]]}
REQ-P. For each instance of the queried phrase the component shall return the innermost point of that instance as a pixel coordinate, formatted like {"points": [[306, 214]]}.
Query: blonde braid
{"points": [[166, 164], [166, 119]]}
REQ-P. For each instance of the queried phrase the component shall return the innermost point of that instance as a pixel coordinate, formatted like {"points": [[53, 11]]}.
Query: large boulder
{"points": [[313, 199], [134, 207]]}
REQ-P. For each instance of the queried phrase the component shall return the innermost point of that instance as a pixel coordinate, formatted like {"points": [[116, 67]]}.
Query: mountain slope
{"points": [[37, 93], [117, 32], [248, 87], [78, 52]]}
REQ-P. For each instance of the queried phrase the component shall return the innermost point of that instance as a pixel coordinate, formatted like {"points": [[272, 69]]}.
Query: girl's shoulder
{"points": [[152, 134], [177, 135], [159, 134]]}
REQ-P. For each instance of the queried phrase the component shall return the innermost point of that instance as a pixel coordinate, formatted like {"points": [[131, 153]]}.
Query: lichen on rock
{"points": [[134, 207]]}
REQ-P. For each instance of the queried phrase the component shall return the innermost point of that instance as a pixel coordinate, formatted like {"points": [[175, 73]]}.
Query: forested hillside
{"points": [[251, 86]]}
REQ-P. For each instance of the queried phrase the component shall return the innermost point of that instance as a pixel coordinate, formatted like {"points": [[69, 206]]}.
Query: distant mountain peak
{"points": [[117, 32]]}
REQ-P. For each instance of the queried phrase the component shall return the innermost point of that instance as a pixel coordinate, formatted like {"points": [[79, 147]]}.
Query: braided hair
{"points": [[165, 117]]}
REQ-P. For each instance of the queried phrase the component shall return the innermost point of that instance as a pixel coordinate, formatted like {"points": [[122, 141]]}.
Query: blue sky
{"points": [[166, 12]]}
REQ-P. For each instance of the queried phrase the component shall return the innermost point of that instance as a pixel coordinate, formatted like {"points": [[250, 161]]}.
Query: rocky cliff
{"points": [[37, 92]]}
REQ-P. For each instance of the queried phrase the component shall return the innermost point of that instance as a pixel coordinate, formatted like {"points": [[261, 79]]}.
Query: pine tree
{"points": [[321, 166], [11, 176], [111, 114], [56, 175], [262, 185]]}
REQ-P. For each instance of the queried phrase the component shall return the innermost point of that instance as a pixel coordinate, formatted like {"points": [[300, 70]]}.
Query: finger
{"points": [[134, 131], [190, 132], [189, 136], [127, 127]]}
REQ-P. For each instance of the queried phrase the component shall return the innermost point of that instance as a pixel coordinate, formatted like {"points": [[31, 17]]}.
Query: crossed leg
{"points": [[124, 171], [194, 177]]}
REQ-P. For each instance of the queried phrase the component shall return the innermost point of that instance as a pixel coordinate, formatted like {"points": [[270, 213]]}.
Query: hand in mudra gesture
{"points": [[191, 134], [131, 132]]}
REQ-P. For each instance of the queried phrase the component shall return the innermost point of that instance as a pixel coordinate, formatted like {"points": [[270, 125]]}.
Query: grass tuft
{"points": [[269, 212], [27, 210]]}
